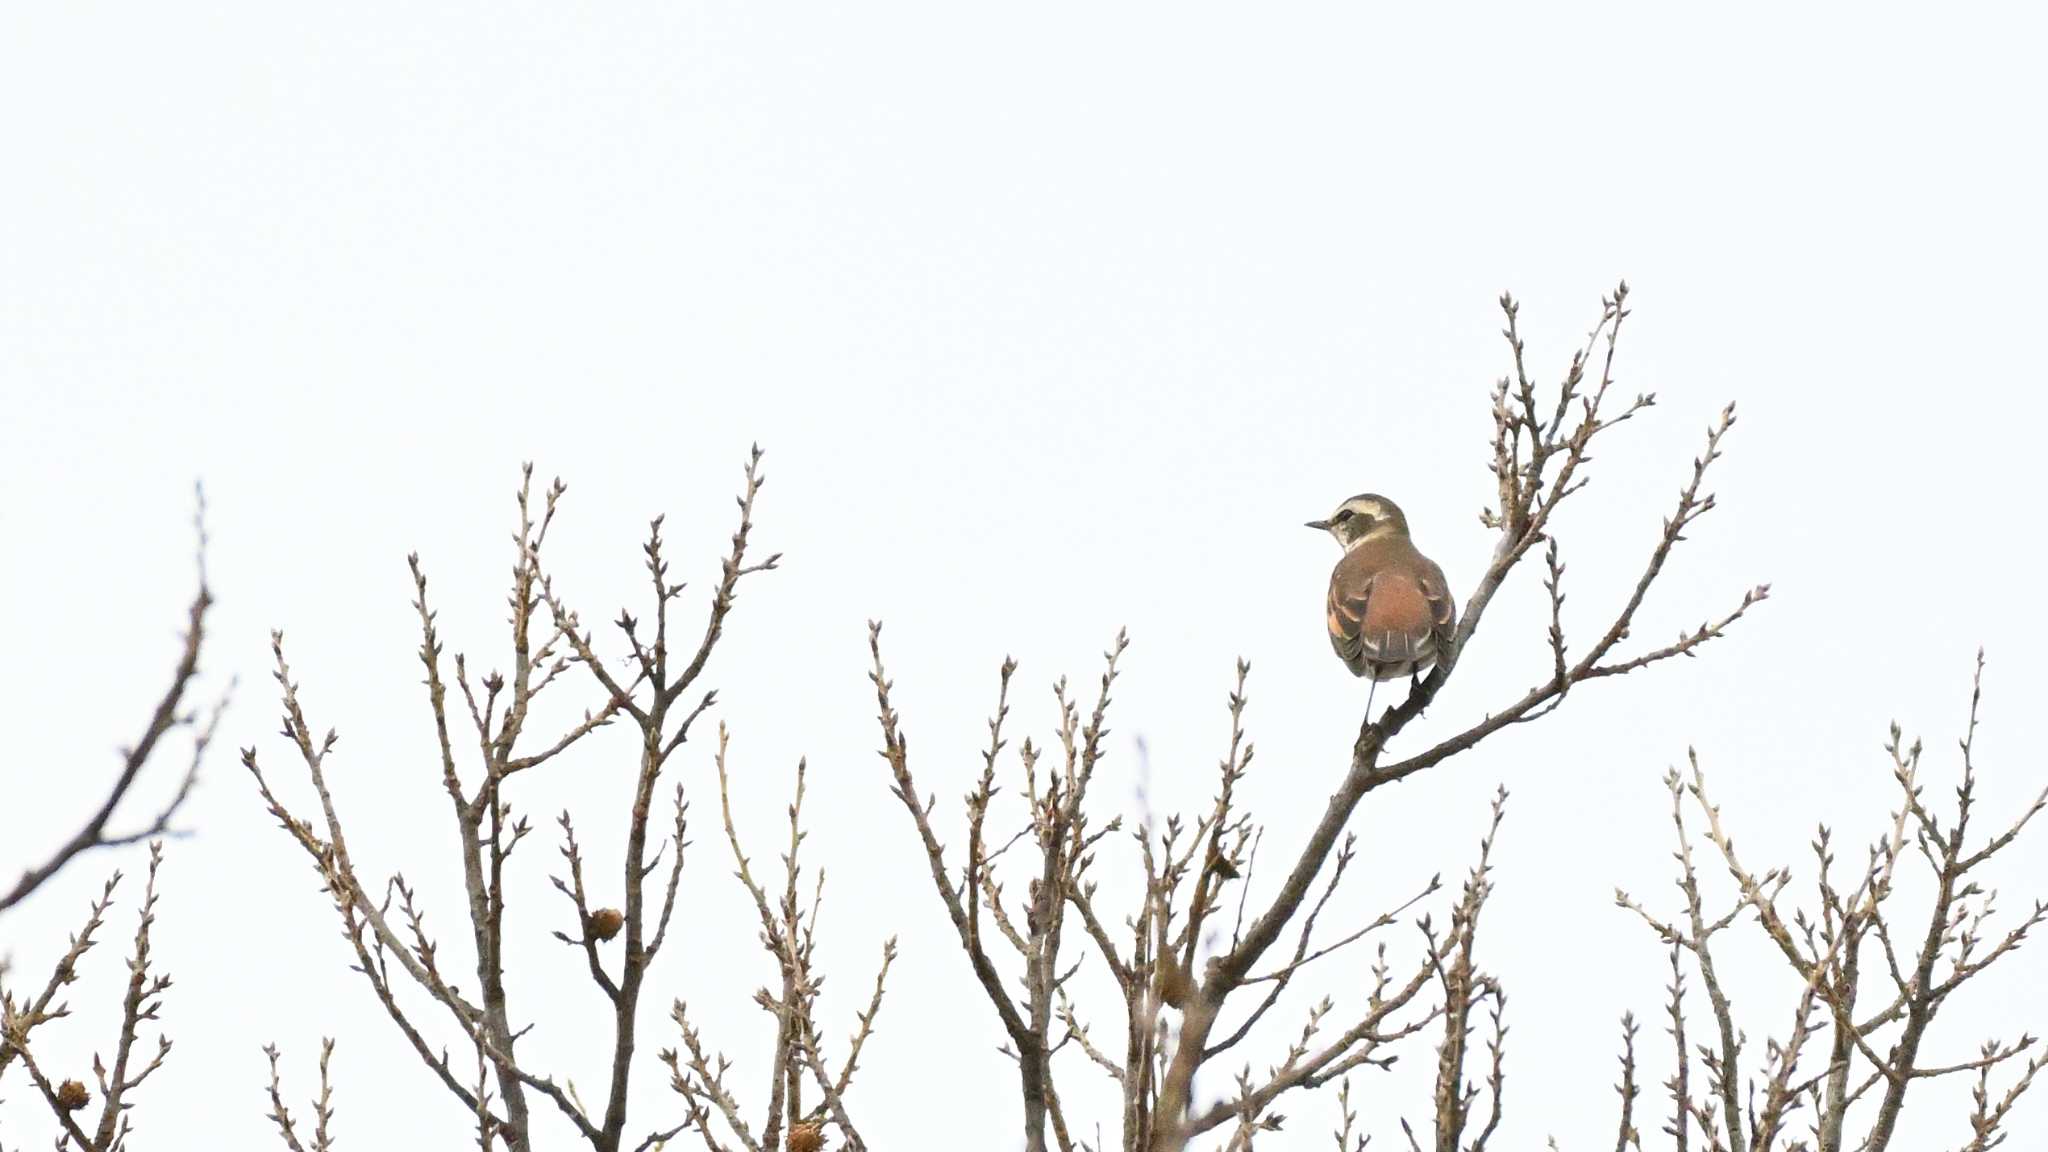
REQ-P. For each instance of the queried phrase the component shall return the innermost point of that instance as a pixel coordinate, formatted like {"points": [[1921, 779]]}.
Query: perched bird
{"points": [[1390, 609]]}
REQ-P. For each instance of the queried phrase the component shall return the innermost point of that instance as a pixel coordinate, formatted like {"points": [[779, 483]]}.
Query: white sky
{"points": [[1052, 321]]}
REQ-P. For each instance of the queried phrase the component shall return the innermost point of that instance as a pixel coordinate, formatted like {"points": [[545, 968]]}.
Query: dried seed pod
{"points": [[604, 923], [808, 1136]]}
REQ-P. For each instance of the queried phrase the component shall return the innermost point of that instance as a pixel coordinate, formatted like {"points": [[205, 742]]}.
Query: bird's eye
{"points": [[1343, 515]]}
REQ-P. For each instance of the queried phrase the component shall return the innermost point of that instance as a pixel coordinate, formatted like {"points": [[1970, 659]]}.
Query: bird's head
{"points": [[1363, 518]]}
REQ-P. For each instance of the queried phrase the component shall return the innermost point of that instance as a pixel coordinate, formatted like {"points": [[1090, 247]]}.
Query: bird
{"points": [[1390, 611]]}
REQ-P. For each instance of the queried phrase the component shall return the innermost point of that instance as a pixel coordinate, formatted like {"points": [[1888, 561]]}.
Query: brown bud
{"points": [[71, 1096], [604, 923], [808, 1136]]}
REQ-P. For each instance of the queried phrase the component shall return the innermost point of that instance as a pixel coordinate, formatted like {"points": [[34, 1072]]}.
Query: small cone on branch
{"points": [[807, 1137], [71, 1096], [604, 923]]}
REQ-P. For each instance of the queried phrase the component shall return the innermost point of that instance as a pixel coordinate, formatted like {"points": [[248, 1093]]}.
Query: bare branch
{"points": [[168, 716]]}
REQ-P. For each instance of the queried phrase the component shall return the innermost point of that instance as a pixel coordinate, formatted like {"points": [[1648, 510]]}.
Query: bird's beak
{"points": [[1319, 525]]}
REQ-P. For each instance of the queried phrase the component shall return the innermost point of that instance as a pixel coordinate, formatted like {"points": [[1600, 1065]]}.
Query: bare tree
{"points": [[1193, 950], [1185, 1005], [23, 1012], [661, 699], [1872, 976], [68, 1098], [789, 934]]}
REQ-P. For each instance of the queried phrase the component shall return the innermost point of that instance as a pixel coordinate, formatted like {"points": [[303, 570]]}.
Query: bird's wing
{"points": [[1443, 610], [1347, 607]]}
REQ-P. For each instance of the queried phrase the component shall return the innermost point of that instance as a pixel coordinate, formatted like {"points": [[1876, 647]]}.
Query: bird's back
{"points": [[1386, 608]]}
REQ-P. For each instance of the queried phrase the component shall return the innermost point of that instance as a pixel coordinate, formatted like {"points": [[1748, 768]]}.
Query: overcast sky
{"points": [[1052, 320]]}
